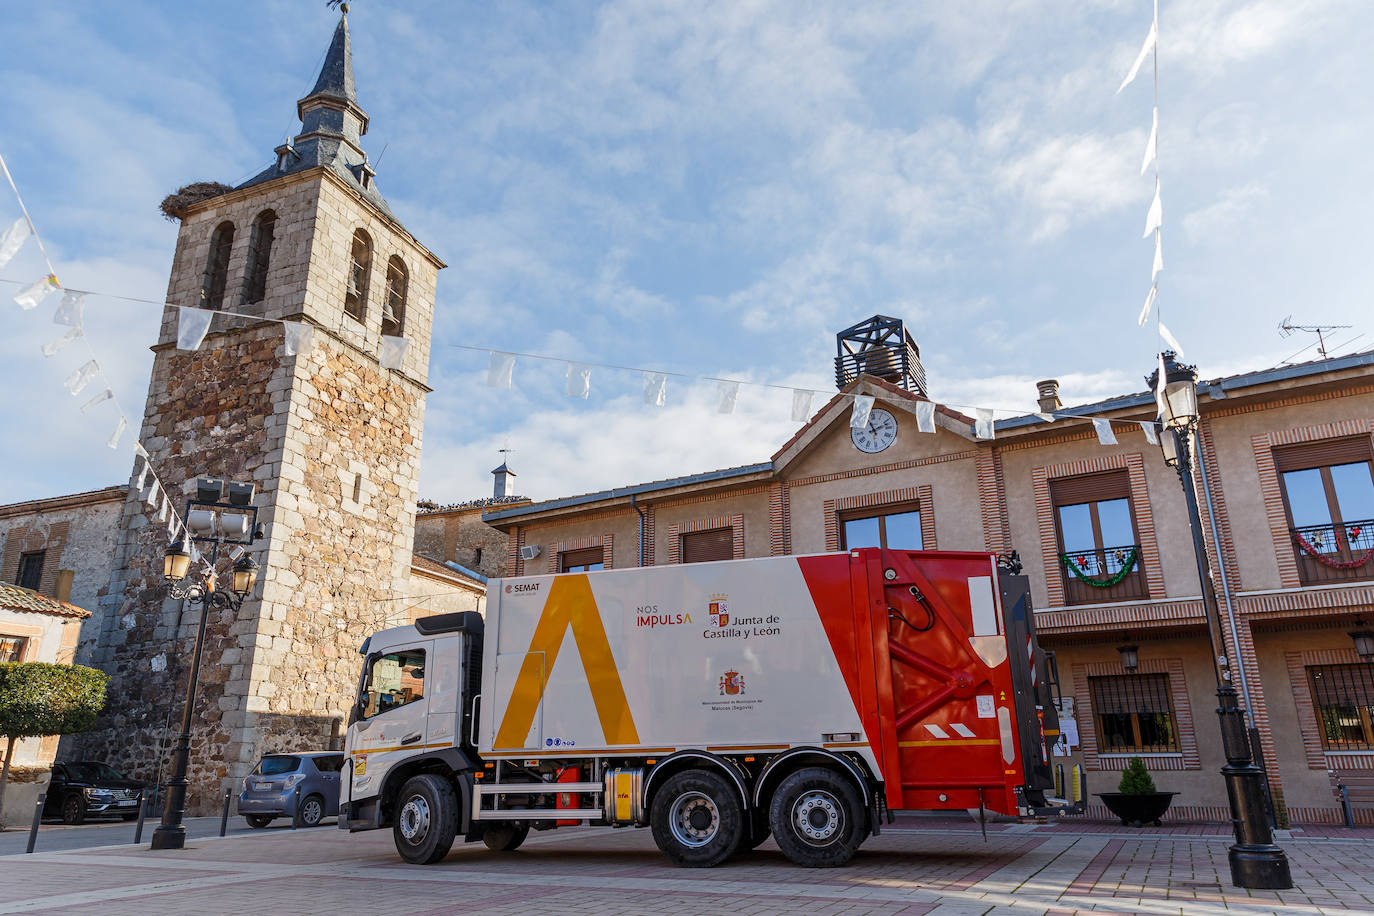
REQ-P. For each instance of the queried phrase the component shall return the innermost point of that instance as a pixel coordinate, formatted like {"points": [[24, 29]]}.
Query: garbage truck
{"points": [[806, 698]]}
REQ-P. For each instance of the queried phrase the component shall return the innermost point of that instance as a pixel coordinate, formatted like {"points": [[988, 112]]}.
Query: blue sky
{"points": [[716, 189]]}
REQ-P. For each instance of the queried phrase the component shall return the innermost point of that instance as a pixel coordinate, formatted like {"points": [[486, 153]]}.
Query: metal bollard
{"points": [[1345, 806], [37, 816], [143, 804], [296, 810], [224, 818]]}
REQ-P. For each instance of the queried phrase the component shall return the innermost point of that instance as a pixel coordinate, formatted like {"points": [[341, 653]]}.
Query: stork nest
{"points": [[174, 206]]}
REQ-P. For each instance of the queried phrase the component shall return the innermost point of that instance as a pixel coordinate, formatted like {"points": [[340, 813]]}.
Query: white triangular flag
{"points": [[726, 394], [801, 405], [1152, 144], [1155, 217], [12, 239], [143, 471], [982, 427], [1145, 309], [655, 389], [162, 508], [119, 431], [1145, 50], [98, 399], [1047, 417], [29, 297], [863, 407], [52, 348], [1148, 429], [393, 351], [499, 369], [1159, 257], [1104, 432], [925, 416], [1159, 388], [1170, 339], [82, 377], [69, 312], [579, 381], [192, 326], [299, 337]]}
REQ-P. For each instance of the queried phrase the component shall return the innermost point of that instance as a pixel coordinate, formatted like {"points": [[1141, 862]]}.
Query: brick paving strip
{"points": [[915, 873]]}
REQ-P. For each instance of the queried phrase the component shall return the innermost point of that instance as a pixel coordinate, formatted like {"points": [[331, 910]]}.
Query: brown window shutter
{"points": [[586, 556], [704, 546], [1089, 488], [1322, 454]]}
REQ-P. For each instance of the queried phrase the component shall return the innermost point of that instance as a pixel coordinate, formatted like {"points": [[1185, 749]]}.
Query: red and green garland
{"points": [[1315, 552], [1077, 565]]}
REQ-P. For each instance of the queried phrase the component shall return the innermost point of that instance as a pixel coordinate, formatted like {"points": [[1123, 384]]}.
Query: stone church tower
{"points": [[331, 439]]}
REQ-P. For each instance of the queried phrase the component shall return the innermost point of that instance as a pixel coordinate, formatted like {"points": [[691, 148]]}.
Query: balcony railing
{"points": [[1098, 576], [1335, 553]]}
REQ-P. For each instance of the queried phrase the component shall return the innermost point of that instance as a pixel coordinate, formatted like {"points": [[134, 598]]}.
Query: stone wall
{"points": [[77, 532], [457, 535]]}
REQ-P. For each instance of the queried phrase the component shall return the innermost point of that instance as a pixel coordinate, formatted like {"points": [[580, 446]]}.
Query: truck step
{"points": [[538, 814], [538, 788]]}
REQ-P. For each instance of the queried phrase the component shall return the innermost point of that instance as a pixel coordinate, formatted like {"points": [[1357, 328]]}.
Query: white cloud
{"points": [[1233, 207]]}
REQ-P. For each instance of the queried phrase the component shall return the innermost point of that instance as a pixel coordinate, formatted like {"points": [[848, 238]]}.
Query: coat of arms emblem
{"points": [[731, 684], [720, 613]]}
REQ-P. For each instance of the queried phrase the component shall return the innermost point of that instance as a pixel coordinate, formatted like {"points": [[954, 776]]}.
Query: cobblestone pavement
{"points": [[919, 866]]}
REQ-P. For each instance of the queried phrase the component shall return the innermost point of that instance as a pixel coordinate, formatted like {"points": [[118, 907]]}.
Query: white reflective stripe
{"points": [[1004, 728], [980, 600], [937, 731], [963, 730]]}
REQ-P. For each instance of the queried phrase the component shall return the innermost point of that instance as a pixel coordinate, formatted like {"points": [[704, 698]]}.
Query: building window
{"points": [[394, 311], [394, 680], [359, 276], [1328, 493], [1343, 696], [1099, 550], [259, 255], [588, 559], [30, 569], [705, 546], [477, 557], [892, 527], [217, 266], [12, 648], [1134, 714]]}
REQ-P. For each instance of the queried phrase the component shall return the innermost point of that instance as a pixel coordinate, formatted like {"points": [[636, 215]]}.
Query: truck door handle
{"points": [[412, 738]]}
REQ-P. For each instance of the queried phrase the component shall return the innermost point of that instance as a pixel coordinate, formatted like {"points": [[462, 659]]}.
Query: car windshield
{"points": [[274, 766], [92, 772]]}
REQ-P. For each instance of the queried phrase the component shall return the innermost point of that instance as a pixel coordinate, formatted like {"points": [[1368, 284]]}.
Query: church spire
{"points": [[331, 109]]}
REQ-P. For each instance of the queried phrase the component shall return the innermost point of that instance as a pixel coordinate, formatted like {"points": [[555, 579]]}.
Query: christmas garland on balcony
{"points": [[1315, 553], [1127, 565]]}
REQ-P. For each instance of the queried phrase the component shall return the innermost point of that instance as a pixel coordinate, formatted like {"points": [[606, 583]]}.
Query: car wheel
{"points": [[426, 819], [697, 819], [73, 810], [505, 837], [312, 811], [817, 818], [257, 821]]}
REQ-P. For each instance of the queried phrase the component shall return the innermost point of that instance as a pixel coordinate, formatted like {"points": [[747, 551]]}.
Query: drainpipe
{"points": [[1225, 584], [635, 506]]}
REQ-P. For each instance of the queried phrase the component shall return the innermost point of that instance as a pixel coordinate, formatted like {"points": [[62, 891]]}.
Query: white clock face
{"points": [[880, 432]]}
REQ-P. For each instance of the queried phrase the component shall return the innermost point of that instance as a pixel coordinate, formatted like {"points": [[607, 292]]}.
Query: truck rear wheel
{"points": [[817, 818], [505, 837], [697, 819], [426, 819]]}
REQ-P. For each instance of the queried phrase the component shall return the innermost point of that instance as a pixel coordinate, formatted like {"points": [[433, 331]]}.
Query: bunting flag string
{"points": [[78, 380], [1104, 432], [54, 347], [863, 408], [1169, 338], [579, 381], [655, 389], [726, 395], [983, 427], [801, 405], [500, 369], [925, 417], [1148, 428], [101, 398], [69, 312], [30, 296], [393, 352], [1150, 41], [299, 337], [12, 239], [192, 326]]}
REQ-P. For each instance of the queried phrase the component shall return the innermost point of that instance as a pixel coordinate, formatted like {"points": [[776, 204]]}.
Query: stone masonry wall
{"points": [[457, 535], [79, 537]]}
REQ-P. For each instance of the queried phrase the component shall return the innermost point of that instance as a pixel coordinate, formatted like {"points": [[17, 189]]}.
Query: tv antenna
{"points": [[1287, 328]]}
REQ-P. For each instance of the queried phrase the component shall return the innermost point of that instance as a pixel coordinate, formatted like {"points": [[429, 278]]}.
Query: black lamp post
{"points": [[207, 524], [1256, 862]]}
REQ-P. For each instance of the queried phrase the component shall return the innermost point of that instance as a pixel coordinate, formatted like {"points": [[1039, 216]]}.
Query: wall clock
{"points": [[880, 432]]}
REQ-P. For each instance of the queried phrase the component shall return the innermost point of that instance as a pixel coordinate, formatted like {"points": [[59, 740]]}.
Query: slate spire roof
{"points": [[332, 127]]}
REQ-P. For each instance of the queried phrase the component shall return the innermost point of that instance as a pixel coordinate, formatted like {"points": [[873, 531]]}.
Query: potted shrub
{"points": [[1136, 800]]}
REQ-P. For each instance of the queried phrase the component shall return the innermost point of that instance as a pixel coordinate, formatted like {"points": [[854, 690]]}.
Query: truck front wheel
{"points": [[426, 819], [817, 818], [697, 819]]}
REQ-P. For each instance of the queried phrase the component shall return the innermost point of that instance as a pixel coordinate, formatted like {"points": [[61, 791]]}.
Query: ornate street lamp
{"points": [[200, 586], [1256, 862], [1130, 658], [1364, 642]]}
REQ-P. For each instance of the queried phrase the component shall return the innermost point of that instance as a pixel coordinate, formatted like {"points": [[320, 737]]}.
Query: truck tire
{"points": [[697, 819], [426, 819], [817, 818], [505, 837]]}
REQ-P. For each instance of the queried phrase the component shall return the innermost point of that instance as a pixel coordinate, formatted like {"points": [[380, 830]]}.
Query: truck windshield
{"points": [[395, 679], [275, 766]]}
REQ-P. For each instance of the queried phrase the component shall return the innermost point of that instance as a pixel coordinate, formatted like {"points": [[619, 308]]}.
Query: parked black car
{"points": [[86, 788]]}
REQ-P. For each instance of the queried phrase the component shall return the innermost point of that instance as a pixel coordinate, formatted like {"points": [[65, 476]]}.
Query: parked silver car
{"points": [[270, 791]]}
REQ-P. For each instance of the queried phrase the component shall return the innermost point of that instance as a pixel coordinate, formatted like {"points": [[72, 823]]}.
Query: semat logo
{"points": [[522, 587]]}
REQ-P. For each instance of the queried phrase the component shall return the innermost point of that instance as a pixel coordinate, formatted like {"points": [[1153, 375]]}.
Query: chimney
{"points": [[1049, 395], [502, 487]]}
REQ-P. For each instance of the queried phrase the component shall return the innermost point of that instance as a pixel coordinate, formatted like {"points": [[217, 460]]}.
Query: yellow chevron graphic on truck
{"points": [[570, 606]]}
